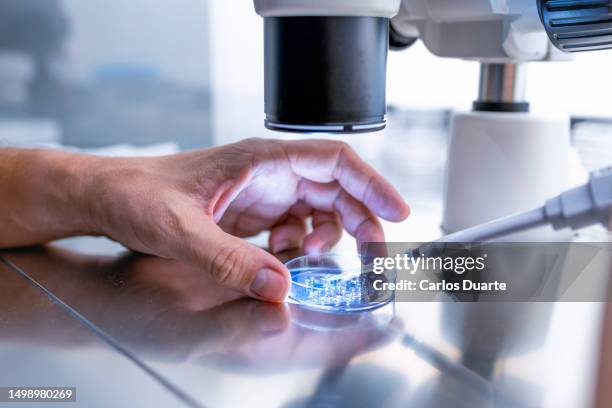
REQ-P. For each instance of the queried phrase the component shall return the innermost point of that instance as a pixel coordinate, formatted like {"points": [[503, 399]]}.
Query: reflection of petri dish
{"points": [[377, 319], [334, 282]]}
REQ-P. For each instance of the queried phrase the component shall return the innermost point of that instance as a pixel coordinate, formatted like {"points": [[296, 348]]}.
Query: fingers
{"points": [[233, 262], [287, 235], [239, 322], [224, 327], [327, 231], [327, 161], [357, 219], [291, 234]]}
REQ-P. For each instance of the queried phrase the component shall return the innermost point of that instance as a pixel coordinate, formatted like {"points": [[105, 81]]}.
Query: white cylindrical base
{"points": [[503, 163]]}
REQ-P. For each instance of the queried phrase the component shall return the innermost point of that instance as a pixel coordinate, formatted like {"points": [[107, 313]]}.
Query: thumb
{"points": [[237, 264]]}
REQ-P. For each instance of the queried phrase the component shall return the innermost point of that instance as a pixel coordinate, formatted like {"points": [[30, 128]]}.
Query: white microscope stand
{"points": [[500, 163]]}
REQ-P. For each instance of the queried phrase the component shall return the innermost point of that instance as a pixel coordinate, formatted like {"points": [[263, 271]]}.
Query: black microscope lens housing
{"points": [[578, 25], [325, 74]]}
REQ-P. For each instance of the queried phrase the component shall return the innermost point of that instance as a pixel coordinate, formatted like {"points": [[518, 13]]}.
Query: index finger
{"points": [[325, 161]]}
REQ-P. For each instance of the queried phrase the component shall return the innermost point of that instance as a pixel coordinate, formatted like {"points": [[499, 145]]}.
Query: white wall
{"points": [[170, 36], [417, 79], [237, 70], [582, 87]]}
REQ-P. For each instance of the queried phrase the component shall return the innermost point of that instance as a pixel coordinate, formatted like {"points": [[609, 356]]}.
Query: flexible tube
{"points": [[504, 226]]}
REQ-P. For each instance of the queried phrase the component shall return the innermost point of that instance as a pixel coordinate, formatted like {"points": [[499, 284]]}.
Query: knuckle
{"points": [[343, 146], [242, 152], [368, 191], [227, 266], [251, 142]]}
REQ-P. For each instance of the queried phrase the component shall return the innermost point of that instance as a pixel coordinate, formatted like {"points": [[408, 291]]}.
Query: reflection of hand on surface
{"points": [[181, 334], [314, 339], [170, 311], [163, 307]]}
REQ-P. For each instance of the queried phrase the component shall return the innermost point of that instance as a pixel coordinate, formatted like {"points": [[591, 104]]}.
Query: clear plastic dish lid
{"points": [[336, 282]]}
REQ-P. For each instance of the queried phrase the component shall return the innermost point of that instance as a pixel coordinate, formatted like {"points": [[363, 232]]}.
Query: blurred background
{"points": [[151, 77]]}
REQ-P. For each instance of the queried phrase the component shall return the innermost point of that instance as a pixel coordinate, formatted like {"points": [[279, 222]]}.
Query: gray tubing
{"points": [[498, 228]]}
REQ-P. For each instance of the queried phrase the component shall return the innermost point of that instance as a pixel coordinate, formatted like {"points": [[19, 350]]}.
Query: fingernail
{"points": [[280, 246], [269, 285], [325, 248]]}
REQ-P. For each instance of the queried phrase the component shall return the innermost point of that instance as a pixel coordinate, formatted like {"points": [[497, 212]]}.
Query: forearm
{"points": [[43, 196]]}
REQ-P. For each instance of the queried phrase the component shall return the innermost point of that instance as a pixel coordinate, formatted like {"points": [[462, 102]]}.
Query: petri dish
{"points": [[335, 282]]}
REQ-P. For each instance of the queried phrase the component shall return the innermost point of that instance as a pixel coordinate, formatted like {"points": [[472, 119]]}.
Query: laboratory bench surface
{"points": [[133, 330]]}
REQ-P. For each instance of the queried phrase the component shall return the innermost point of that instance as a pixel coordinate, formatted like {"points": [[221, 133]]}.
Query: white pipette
{"points": [[577, 208]]}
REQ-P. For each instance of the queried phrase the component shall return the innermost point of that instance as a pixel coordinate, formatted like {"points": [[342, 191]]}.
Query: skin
{"points": [[196, 207]]}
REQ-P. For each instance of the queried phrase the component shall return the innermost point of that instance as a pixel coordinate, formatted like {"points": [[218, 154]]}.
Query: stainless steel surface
{"points": [[42, 345], [502, 83], [226, 351]]}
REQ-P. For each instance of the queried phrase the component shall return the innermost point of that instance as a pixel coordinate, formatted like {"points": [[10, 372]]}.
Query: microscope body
{"points": [[483, 30], [502, 157], [325, 72]]}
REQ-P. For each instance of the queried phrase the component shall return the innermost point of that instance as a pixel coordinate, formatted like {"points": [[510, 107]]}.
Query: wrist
{"points": [[70, 181]]}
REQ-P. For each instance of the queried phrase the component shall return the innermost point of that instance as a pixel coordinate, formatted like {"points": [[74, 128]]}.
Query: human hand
{"points": [[195, 206]]}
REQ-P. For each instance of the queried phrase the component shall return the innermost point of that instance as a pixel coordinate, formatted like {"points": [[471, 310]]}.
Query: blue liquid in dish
{"points": [[333, 290]]}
